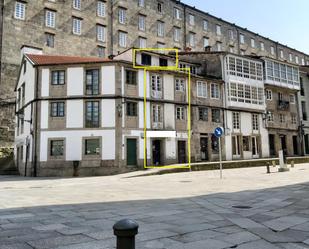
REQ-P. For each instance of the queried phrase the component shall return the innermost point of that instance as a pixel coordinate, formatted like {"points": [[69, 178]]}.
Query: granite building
{"points": [[103, 28]]}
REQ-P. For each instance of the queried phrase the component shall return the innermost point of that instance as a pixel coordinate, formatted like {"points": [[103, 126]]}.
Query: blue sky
{"points": [[285, 21]]}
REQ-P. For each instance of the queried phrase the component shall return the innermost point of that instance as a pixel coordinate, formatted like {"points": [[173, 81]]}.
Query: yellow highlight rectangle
{"points": [[166, 68]]}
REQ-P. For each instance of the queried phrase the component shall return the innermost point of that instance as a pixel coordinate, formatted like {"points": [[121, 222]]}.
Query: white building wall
{"points": [[264, 138], [169, 116], [73, 143], [108, 74], [44, 114], [168, 87], [74, 114], [170, 148], [45, 82], [108, 112], [75, 81]]}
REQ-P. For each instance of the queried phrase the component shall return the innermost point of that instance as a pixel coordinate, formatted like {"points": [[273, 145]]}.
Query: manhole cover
{"points": [[241, 207]]}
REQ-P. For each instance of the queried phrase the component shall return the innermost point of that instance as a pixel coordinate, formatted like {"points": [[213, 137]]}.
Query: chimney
{"points": [[207, 49], [25, 49]]}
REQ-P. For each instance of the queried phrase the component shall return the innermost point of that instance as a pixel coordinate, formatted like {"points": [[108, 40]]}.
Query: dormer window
{"points": [[163, 62], [146, 59]]}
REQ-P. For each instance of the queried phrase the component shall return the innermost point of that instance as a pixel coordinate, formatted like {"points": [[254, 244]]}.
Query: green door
{"points": [[131, 151]]}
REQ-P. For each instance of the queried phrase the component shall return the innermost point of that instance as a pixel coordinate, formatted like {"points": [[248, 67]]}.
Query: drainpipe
{"points": [[1, 35], [111, 47], [184, 27], [238, 40], [35, 125]]}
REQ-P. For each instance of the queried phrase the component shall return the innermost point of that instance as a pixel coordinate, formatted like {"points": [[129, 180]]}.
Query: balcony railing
{"points": [[283, 105]]}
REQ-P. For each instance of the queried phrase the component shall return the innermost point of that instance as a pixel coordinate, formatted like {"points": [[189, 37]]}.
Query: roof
{"points": [[41, 60]]}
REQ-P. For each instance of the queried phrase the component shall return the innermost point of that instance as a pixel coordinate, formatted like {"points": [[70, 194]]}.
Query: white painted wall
{"points": [[138, 134], [264, 138], [44, 114], [75, 114], [108, 79], [75, 81], [169, 116], [73, 141], [170, 148], [45, 82], [168, 86], [108, 112]]}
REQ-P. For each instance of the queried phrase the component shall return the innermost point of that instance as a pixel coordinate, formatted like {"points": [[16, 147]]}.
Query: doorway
{"points": [[295, 145], [204, 148], [272, 148], [307, 144], [131, 152], [283, 144], [255, 147], [156, 152], [182, 158]]}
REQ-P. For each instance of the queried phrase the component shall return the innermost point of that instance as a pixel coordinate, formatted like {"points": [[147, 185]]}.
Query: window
{"points": [[92, 82], [132, 109], [242, 52], [219, 46], [304, 111], [92, 114], [58, 77], [236, 120], [231, 34], [252, 43], [296, 59], [242, 38], [272, 50], [122, 15], [293, 118], [50, 18], [206, 42], [281, 54], [281, 118], [101, 33], [290, 57], [77, 26], [270, 117], [156, 83], [77, 4], [180, 113], [232, 49], [203, 113], [146, 59], [160, 7], [141, 3], [131, 77], [280, 96], [192, 39], [57, 109], [191, 19], [142, 42], [255, 122], [160, 45], [141, 22], [268, 94], [292, 98], [179, 85], [101, 51], [160, 28], [236, 145], [303, 61], [92, 146], [302, 89], [215, 91], [101, 9], [162, 62], [205, 25], [156, 114], [201, 89], [215, 115], [177, 14], [218, 30], [49, 40], [20, 10], [177, 34], [56, 148], [262, 46], [122, 39]]}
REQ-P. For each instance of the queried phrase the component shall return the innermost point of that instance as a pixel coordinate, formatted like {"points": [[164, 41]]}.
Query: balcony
{"points": [[156, 94], [283, 105], [157, 125]]}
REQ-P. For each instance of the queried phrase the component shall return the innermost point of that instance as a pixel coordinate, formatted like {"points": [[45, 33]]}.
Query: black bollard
{"points": [[125, 230], [268, 167]]}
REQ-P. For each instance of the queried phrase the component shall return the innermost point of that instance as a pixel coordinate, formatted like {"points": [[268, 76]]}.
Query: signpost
{"points": [[219, 133]]}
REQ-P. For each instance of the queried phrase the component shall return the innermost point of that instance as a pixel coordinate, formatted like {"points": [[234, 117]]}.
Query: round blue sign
{"points": [[218, 132]]}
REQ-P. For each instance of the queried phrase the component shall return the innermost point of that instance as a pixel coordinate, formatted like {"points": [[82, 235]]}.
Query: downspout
{"points": [[1, 36], [184, 27], [111, 52], [238, 40]]}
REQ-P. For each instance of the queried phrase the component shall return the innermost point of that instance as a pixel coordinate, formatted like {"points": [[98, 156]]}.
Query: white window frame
{"points": [[281, 118], [77, 26], [290, 57], [205, 25], [296, 59], [231, 34], [191, 19], [236, 120], [242, 39], [281, 54], [201, 89], [191, 39], [160, 29], [206, 42], [292, 98], [142, 42], [122, 15], [262, 45], [77, 4], [180, 85], [219, 46], [141, 3], [252, 43], [215, 91], [180, 113], [218, 29], [50, 18], [20, 10], [269, 94], [177, 31], [122, 39], [101, 9], [255, 122], [272, 50], [177, 14], [141, 22], [101, 33]]}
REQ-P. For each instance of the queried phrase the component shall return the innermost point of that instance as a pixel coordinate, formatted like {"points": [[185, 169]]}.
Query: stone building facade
{"points": [[103, 28]]}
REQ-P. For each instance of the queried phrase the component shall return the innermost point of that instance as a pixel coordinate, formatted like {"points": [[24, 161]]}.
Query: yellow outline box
{"points": [[166, 68]]}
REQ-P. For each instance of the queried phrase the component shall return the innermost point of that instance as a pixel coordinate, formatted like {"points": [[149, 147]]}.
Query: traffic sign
{"points": [[219, 132]]}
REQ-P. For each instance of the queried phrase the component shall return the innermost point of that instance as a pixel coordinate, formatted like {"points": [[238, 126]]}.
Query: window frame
{"points": [[202, 86], [59, 107], [95, 85], [77, 24], [93, 123], [58, 82], [50, 18], [20, 7]]}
